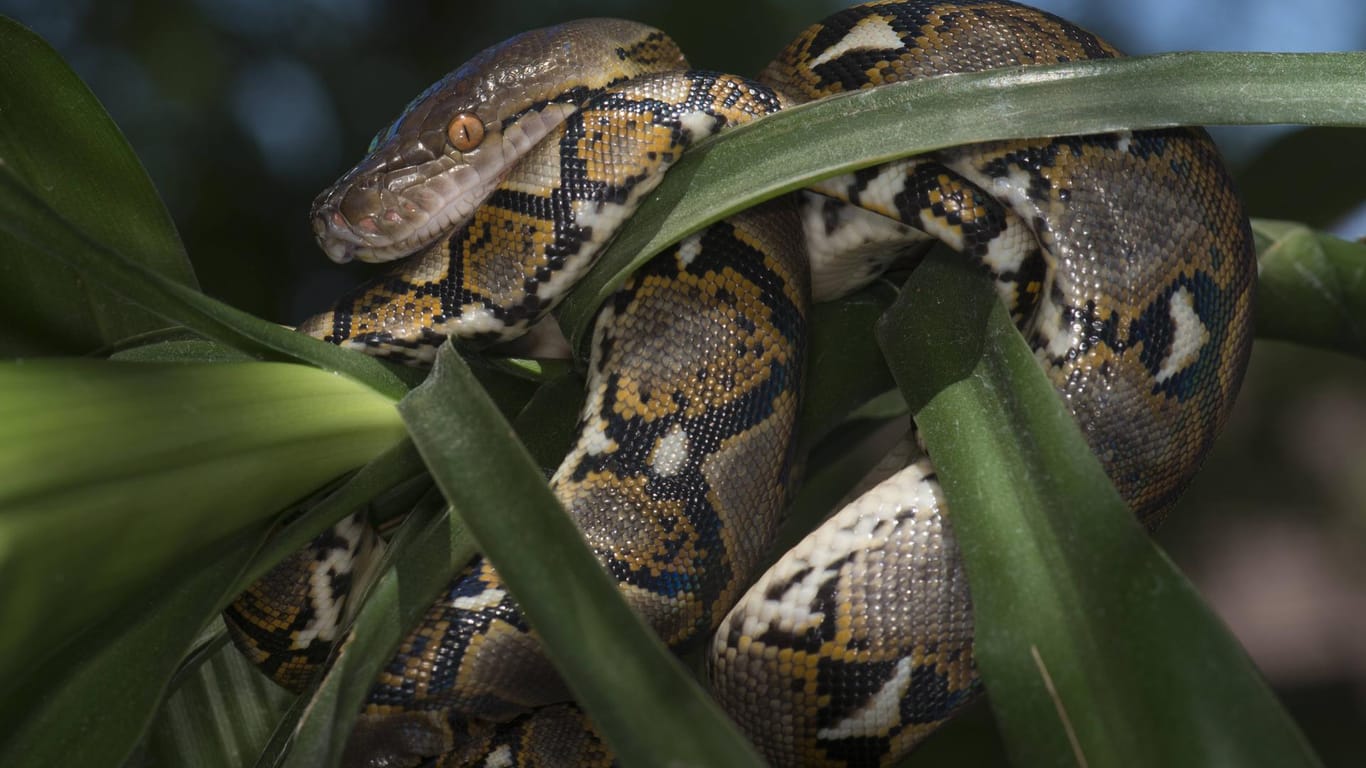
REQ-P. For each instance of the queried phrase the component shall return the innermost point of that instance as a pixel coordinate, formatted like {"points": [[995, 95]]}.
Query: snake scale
{"points": [[1126, 259]]}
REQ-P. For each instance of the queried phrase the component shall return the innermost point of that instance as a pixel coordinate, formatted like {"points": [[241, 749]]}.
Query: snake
{"points": [[1125, 258]]}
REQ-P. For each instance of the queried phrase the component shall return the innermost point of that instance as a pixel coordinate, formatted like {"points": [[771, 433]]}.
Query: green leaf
{"points": [[649, 709], [186, 350], [546, 426], [1311, 287], [58, 142], [89, 704], [112, 472], [1093, 648], [386, 471], [134, 652], [218, 715], [95, 257], [777, 154], [842, 342], [30, 221], [105, 427]]}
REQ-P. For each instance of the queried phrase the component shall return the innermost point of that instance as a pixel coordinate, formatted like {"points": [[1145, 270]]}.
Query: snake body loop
{"points": [[1126, 259]]}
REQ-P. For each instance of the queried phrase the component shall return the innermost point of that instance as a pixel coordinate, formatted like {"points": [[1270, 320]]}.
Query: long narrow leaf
{"points": [[89, 706], [33, 223], [90, 256], [220, 716], [134, 652], [58, 140], [650, 710], [1094, 649], [150, 463], [791, 149], [842, 341], [386, 471]]}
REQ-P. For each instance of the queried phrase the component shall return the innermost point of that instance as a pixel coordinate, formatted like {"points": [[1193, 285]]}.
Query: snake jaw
{"points": [[327, 229], [404, 196], [380, 211], [415, 186]]}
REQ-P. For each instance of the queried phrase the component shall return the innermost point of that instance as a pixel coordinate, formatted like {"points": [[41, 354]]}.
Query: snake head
{"points": [[425, 174]]}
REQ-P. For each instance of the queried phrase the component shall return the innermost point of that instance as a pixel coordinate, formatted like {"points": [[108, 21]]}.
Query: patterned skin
{"points": [[1126, 258]]}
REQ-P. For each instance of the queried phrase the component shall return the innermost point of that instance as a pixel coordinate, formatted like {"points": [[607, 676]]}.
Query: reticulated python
{"points": [[1125, 257]]}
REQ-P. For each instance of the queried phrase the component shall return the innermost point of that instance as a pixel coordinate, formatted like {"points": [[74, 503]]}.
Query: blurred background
{"points": [[243, 110]]}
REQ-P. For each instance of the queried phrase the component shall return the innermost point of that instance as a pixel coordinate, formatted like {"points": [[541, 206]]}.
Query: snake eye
{"points": [[465, 131]]}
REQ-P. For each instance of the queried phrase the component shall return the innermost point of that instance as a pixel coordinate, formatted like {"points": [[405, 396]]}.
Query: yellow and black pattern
{"points": [[1161, 328], [1136, 304], [286, 622], [417, 184], [702, 471], [1126, 259], [705, 467], [544, 225], [864, 678], [930, 198]]}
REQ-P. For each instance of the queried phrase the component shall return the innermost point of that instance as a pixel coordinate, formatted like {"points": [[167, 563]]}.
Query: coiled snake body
{"points": [[1125, 257]]}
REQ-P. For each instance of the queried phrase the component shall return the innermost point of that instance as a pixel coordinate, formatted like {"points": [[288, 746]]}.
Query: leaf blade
{"points": [[791, 149], [649, 709], [1094, 649], [57, 139], [145, 460]]}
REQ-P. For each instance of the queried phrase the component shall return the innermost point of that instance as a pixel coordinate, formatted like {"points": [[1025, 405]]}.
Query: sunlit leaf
{"points": [[205, 454], [149, 463]]}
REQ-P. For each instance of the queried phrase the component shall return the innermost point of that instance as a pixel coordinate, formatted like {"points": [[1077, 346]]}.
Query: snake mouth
{"points": [[377, 216], [405, 195]]}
